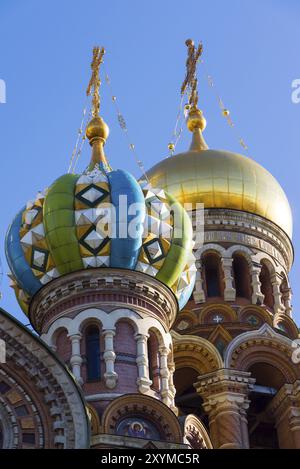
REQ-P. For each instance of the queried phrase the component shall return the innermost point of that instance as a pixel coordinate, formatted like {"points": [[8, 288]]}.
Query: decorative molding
{"points": [[194, 433], [47, 377], [265, 345], [148, 407], [244, 223], [107, 288], [195, 352]]}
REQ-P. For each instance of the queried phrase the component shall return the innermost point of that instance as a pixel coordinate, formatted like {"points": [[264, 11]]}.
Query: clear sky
{"points": [[251, 50]]}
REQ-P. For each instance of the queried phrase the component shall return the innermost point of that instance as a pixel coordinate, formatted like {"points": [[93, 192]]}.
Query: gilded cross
{"points": [[95, 82], [190, 82]]}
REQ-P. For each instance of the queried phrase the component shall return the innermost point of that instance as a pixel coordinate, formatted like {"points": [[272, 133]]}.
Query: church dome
{"points": [[99, 219], [221, 179], [78, 223]]}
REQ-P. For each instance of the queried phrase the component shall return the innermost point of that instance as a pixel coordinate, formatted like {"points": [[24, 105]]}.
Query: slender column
{"points": [[276, 281], [109, 356], [229, 291], [172, 387], [225, 399], [164, 373], [76, 359], [199, 294], [257, 295], [143, 380], [287, 298]]}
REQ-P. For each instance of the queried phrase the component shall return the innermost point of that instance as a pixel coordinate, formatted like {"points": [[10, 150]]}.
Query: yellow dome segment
{"points": [[221, 179]]}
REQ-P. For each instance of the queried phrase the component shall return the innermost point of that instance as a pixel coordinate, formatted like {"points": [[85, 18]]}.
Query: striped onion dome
{"points": [[66, 229]]}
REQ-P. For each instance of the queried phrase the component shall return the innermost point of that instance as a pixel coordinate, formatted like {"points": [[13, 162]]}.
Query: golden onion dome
{"points": [[221, 179]]}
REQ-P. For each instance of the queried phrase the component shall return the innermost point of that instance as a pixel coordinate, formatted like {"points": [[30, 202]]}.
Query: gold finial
{"points": [[97, 130], [196, 122]]}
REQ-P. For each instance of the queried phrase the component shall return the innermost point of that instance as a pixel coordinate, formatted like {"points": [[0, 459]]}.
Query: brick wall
{"points": [[63, 346]]}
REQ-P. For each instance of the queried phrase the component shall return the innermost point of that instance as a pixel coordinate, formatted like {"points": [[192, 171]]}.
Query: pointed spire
{"points": [[196, 122], [97, 130]]}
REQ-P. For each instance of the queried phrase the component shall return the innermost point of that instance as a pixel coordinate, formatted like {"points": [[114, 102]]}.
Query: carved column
{"points": [[287, 297], [285, 407], [109, 356], [276, 281], [257, 295], [76, 359], [199, 294], [165, 374], [143, 380], [172, 387], [229, 291], [225, 399]]}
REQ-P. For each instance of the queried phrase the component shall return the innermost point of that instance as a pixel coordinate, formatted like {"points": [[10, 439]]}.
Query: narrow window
{"points": [[93, 353], [266, 286], [212, 274], [241, 277]]}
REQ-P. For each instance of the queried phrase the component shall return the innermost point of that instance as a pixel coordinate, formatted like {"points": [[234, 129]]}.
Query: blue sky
{"points": [[251, 50]]}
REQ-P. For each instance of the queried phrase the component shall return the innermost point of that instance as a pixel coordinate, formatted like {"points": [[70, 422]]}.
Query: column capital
{"points": [[164, 350], [225, 388], [227, 261], [286, 398], [225, 399], [76, 336], [141, 337], [109, 332]]}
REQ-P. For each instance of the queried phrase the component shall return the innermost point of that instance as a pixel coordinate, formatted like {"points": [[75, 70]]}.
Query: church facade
{"points": [[164, 326]]}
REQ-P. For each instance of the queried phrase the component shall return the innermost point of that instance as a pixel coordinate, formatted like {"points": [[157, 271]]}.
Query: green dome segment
{"points": [[180, 247], [72, 226], [59, 222]]}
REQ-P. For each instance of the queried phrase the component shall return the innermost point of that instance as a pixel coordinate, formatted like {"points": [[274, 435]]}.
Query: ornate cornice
{"points": [[234, 226], [108, 288], [225, 387]]}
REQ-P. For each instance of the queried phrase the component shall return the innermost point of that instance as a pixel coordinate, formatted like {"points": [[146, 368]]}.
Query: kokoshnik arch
{"points": [[152, 340]]}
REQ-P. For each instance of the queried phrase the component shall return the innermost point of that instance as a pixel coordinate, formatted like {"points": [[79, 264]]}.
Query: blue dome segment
{"points": [[128, 199], [16, 258]]}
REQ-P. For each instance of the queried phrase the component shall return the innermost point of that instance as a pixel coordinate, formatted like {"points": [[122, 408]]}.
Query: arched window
{"points": [[92, 338], [212, 275], [266, 286], [241, 275]]}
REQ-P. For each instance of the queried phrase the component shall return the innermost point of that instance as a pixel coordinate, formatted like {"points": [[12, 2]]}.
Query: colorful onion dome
{"points": [[99, 219], [66, 229]]}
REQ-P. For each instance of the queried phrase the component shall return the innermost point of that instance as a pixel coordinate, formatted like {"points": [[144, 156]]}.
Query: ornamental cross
{"points": [[95, 79], [190, 82], [217, 318]]}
